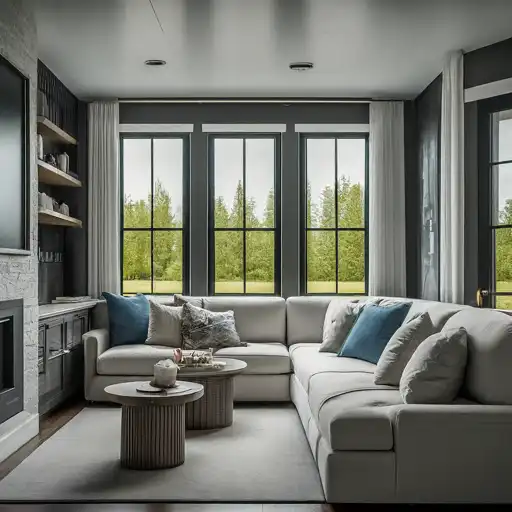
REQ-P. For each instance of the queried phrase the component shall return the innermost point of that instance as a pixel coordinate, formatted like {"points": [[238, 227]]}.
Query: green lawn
{"points": [[171, 287]]}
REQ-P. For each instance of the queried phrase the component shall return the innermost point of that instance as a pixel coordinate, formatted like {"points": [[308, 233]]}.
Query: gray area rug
{"points": [[263, 456]]}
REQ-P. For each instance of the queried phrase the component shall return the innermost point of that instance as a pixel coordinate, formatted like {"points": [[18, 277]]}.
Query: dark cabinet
{"points": [[61, 358]]}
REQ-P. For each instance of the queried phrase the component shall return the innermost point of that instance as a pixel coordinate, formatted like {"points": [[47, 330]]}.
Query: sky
{"points": [[228, 164]]}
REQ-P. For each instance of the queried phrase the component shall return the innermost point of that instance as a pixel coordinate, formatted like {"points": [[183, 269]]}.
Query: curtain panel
{"points": [[452, 182], [387, 261], [103, 198]]}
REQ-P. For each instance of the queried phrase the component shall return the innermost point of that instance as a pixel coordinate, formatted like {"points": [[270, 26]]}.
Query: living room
{"points": [[255, 255]]}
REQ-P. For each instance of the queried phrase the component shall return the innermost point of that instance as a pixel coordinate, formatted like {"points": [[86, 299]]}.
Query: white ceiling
{"points": [[229, 48]]}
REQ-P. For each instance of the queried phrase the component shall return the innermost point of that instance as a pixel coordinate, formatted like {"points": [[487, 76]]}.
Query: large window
{"points": [[334, 248], [244, 214], [501, 207], [154, 214]]}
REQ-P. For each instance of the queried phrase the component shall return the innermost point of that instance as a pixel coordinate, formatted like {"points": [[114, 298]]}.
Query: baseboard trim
{"points": [[16, 432]]}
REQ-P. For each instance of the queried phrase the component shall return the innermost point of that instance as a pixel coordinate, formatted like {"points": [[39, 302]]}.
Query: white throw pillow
{"points": [[435, 372], [164, 325], [401, 347], [340, 316]]}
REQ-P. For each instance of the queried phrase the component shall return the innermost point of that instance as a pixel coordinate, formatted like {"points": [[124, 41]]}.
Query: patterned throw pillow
{"points": [[202, 329], [179, 300]]}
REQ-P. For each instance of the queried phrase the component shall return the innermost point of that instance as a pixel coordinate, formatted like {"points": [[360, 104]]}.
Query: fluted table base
{"points": [[215, 408], [152, 436]]}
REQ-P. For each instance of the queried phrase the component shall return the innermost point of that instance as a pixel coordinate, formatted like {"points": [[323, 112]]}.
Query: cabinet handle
{"points": [[60, 353]]}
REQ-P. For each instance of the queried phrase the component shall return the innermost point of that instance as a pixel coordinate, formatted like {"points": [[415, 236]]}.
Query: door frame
{"points": [[486, 262]]}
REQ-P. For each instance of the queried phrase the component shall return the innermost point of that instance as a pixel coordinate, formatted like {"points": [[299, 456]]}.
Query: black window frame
{"points": [[277, 137], [303, 210], [185, 229]]}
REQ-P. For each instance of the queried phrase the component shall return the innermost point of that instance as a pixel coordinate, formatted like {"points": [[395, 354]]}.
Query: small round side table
{"points": [[153, 425]]}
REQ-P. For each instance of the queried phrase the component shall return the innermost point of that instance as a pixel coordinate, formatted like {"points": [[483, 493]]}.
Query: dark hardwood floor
{"points": [[52, 422]]}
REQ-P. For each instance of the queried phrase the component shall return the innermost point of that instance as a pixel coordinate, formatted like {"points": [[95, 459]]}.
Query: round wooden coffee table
{"points": [[215, 408], [153, 425]]}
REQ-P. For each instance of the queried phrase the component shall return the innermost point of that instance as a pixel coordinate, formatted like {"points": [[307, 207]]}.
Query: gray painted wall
{"points": [[290, 195], [18, 274]]}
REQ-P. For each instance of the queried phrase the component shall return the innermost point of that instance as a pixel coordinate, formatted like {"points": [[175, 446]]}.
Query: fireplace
{"points": [[11, 358]]}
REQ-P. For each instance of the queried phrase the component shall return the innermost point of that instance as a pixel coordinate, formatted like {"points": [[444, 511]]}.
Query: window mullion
{"points": [[244, 233], [151, 214], [336, 207]]}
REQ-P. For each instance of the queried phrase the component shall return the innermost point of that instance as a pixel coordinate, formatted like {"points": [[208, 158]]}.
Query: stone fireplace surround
{"points": [[18, 270]]}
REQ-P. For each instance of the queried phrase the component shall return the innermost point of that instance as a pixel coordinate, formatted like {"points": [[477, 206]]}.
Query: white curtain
{"points": [[452, 182], [104, 198], [386, 273]]}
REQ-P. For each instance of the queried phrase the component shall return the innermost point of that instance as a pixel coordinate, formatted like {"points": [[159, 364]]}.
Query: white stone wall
{"points": [[18, 274]]}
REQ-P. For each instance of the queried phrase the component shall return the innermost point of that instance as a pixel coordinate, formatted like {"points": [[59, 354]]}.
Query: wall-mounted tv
{"points": [[14, 159]]}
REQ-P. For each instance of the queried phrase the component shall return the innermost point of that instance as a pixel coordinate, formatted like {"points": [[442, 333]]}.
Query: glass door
{"points": [[496, 204]]}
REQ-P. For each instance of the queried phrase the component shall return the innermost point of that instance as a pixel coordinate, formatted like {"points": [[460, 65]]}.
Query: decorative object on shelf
{"points": [[64, 209], [63, 161], [42, 104], [45, 201], [164, 374], [49, 158], [50, 257], [40, 147]]}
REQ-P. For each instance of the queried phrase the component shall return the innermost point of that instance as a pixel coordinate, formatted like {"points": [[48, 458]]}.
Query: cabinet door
{"points": [[76, 325], [51, 381], [74, 370]]}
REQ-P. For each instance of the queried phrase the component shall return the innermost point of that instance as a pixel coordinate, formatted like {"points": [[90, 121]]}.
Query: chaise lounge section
{"points": [[368, 445]]}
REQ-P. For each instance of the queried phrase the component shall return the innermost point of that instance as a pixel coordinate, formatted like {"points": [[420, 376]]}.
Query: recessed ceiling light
{"points": [[301, 66], [155, 62]]}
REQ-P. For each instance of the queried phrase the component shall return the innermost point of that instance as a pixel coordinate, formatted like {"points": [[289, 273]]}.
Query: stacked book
{"points": [[71, 300]]}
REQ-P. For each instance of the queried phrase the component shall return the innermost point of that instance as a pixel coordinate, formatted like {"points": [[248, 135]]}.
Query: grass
{"points": [[504, 302], [140, 286]]}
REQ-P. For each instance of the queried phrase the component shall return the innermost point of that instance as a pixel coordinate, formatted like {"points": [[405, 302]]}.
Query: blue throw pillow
{"points": [[373, 329], [128, 318]]}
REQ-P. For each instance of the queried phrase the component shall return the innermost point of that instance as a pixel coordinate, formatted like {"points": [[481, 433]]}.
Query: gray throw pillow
{"points": [[164, 325], [400, 348], [435, 372], [179, 300], [202, 329], [340, 316]]}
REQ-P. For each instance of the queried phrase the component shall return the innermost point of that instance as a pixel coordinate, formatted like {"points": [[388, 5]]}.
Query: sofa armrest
{"points": [[451, 452], [95, 343]]}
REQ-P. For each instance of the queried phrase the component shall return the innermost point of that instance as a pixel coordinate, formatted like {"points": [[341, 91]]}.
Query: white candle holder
{"points": [[165, 373]]}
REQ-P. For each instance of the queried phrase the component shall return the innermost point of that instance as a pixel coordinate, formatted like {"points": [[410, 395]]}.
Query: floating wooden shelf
{"points": [[52, 176], [48, 129], [58, 219]]}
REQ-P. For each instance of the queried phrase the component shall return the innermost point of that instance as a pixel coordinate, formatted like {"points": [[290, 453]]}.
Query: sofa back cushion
{"points": [[258, 319], [439, 312], [488, 378], [305, 317]]}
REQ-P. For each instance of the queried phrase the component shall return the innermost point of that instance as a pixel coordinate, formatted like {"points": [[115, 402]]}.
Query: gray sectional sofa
{"points": [[369, 446]]}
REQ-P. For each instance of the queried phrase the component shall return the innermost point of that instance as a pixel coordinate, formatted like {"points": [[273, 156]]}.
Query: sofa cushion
{"points": [[308, 361], [439, 312], [261, 358], [164, 325], [488, 377], [352, 412], [132, 359], [128, 318], [340, 317], [435, 371], [373, 329], [258, 319]]}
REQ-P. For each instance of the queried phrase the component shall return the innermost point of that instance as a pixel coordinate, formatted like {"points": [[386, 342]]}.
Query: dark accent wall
{"points": [[69, 276], [488, 64], [147, 113], [411, 198], [428, 123], [482, 66]]}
